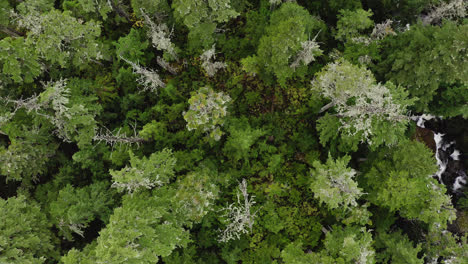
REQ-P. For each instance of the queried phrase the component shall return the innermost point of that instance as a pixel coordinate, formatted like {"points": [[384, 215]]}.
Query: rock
{"points": [[426, 136]]}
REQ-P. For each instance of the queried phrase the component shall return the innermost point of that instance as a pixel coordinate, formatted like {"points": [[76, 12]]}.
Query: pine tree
{"points": [[333, 184], [25, 235], [365, 109], [145, 173], [207, 111], [401, 180], [76, 208], [430, 61], [139, 231], [287, 40]]}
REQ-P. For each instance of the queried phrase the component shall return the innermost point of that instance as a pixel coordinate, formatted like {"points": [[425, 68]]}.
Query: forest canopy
{"points": [[233, 131]]}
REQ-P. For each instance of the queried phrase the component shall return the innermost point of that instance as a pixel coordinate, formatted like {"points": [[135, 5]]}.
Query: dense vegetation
{"points": [[228, 131]]}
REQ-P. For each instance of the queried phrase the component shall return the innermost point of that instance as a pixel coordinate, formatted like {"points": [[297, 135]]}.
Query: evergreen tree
{"points": [[333, 184], [139, 231], [25, 235], [401, 180], [288, 35], [366, 110], [207, 111], [76, 208], [429, 60], [145, 173]]}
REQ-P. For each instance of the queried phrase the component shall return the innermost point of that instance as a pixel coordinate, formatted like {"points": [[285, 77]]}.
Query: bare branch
{"points": [[240, 217], [165, 65], [117, 138], [310, 50], [211, 68], [454, 9], [160, 36], [149, 79]]}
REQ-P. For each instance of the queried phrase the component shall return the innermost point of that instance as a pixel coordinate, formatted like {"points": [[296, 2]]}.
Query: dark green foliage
{"points": [[201, 37], [132, 46], [230, 131], [397, 248], [152, 7], [75, 208], [407, 10], [426, 59], [27, 146], [240, 140], [4, 10]]}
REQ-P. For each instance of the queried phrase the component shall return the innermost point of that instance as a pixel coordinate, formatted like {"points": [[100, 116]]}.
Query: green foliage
{"points": [[452, 102], [192, 12], [27, 146], [145, 173], [63, 106], [196, 194], [202, 17], [24, 232], [139, 232], [132, 46], [451, 247], [75, 208], [74, 256], [112, 151], [289, 27], [332, 183], [401, 180], [201, 37], [397, 248], [89, 7], [293, 254], [207, 111], [351, 23], [35, 6], [407, 11], [154, 130], [426, 58], [60, 38], [240, 140], [78, 124], [343, 4], [4, 12], [366, 109], [150, 7], [19, 61], [328, 125], [351, 244]]}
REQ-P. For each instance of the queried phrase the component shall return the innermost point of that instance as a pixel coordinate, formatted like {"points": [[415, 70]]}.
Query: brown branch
{"points": [[119, 10], [11, 32]]}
